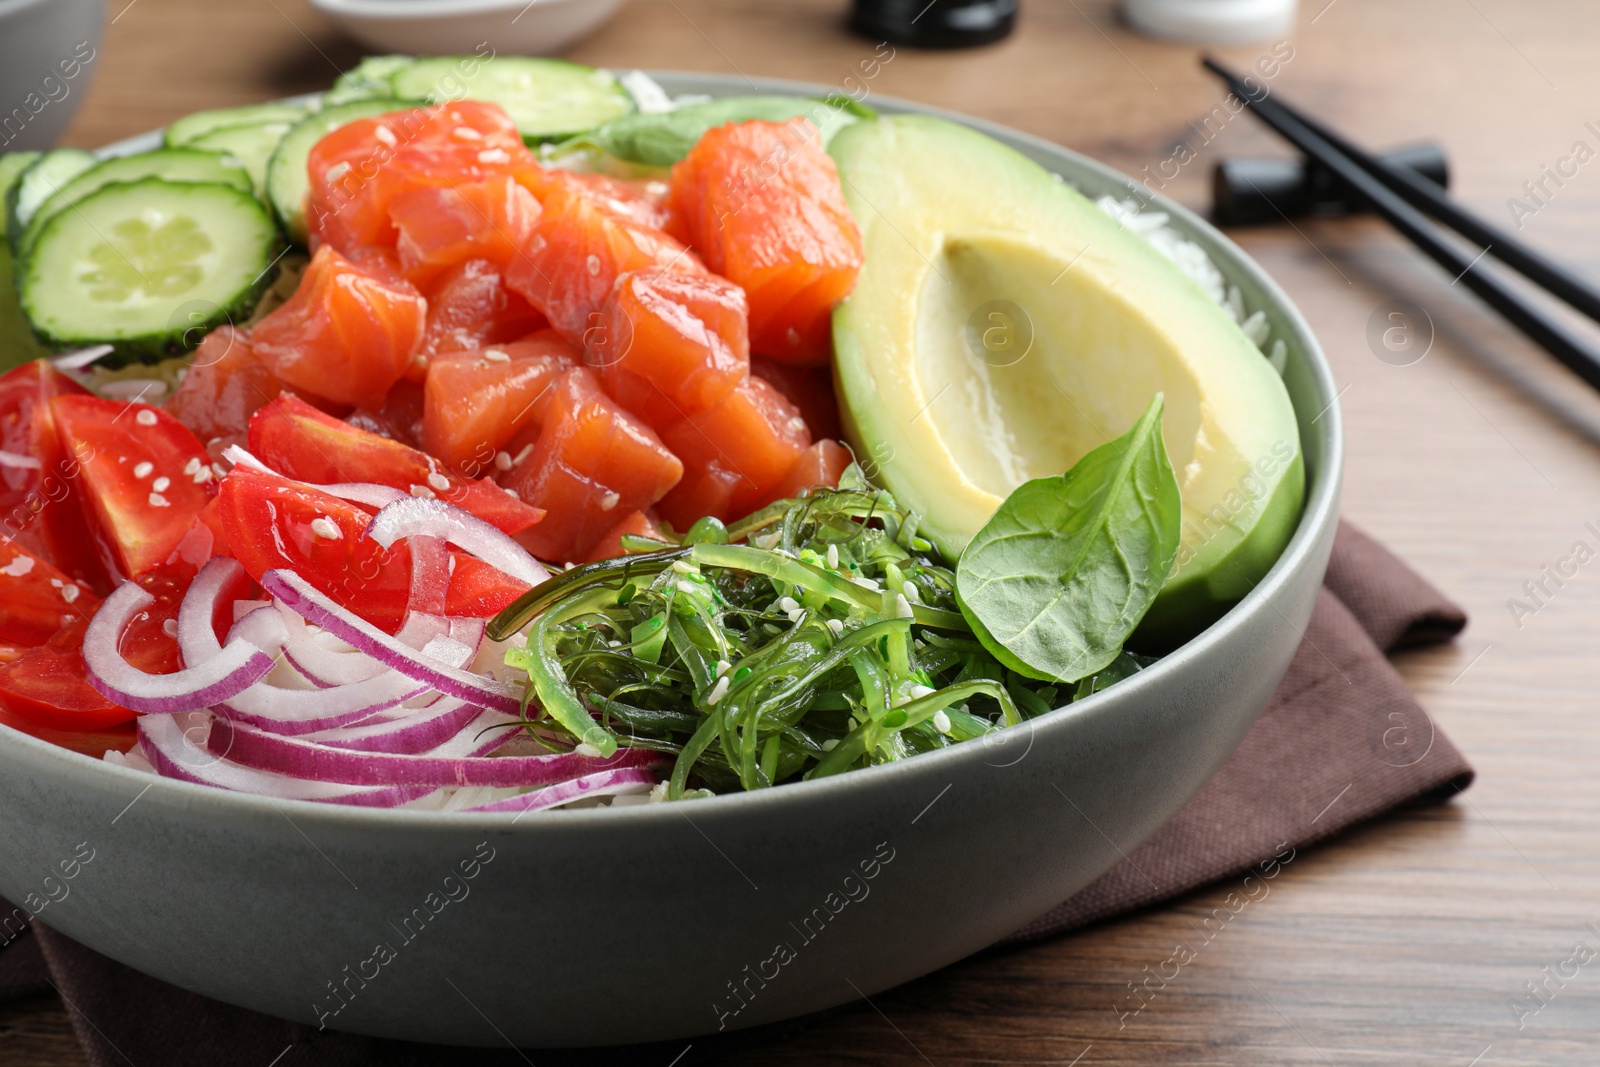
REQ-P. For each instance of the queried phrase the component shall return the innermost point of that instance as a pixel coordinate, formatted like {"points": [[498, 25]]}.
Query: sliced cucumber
{"points": [[372, 77], [38, 182], [12, 164], [139, 265], [186, 129], [250, 145], [547, 98], [17, 343], [287, 182], [173, 164]]}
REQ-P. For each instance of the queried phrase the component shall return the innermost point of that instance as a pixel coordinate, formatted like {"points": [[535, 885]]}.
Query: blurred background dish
{"points": [[435, 27], [47, 53]]}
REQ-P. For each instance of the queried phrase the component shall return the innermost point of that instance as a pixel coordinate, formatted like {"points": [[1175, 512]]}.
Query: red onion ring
{"points": [[202, 682], [303, 598], [441, 766], [415, 517]]}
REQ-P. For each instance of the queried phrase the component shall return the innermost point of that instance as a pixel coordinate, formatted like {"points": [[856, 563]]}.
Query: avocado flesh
{"points": [[951, 408]]}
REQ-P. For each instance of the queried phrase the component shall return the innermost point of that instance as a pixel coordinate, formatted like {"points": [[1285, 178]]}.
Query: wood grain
{"points": [[1402, 941]]}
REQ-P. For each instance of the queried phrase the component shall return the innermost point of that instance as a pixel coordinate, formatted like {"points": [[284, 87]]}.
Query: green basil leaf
{"points": [[1056, 581], [661, 139]]}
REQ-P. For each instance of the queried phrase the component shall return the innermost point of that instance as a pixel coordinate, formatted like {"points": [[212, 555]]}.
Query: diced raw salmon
{"points": [[734, 455], [762, 204], [470, 307], [639, 524], [577, 250], [348, 332], [685, 334], [593, 462], [476, 402]]}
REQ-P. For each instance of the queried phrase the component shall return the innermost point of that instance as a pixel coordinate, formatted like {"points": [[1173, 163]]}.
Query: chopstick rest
{"points": [[1251, 190]]}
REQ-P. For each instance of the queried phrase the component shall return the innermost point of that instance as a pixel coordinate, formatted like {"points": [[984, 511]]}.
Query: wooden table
{"points": [[1401, 942]]}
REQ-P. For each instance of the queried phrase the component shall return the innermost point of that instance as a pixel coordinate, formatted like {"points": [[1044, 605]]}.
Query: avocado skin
{"points": [[1192, 601]]}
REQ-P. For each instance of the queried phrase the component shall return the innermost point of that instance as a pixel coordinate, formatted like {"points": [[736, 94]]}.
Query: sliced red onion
{"points": [[415, 517], [322, 665], [240, 457], [202, 682], [599, 784], [411, 733], [174, 754], [300, 596], [369, 493], [460, 761]]}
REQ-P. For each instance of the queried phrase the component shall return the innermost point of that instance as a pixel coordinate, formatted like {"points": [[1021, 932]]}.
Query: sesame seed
{"points": [[337, 171], [438, 482], [193, 465], [718, 691], [609, 501], [941, 722], [920, 691], [326, 528], [797, 614], [837, 626], [830, 744], [161, 484], [159, 501], [593, 263], [69, 592], [202, 474], [683, 567], [586, 749], [788, 603], [797, 424], [833, 557], [422, 491], [386, 135], [687, 588], [143, 470], [494, 355], [902, 609], [527, 450], [494, 155], [723, 667], [466, 133], [146, 417], [169, 627], [909, 591], [512, 493], [502, 460], [866, 583], [18, 567]]}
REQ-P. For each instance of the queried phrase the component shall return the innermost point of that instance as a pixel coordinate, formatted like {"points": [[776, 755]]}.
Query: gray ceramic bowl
{"points": [[48, 52], [604, 926]]}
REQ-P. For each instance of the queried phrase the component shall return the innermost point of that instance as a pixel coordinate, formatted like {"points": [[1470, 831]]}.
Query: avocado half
{"points": [[1003, 325]]}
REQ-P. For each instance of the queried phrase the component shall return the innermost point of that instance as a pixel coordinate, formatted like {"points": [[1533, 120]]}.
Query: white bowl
{"points": [[443, 27], [48, 51]]}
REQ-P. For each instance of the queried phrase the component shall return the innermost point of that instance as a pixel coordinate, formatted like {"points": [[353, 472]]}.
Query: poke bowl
{"points": [[641, 921]]}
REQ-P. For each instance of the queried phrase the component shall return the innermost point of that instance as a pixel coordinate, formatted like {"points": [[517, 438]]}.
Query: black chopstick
{"points": [[1427, 196], [1366, 183]]}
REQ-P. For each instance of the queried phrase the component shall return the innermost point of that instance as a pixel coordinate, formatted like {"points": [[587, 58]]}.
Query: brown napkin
{"points": [[1342, 741]]}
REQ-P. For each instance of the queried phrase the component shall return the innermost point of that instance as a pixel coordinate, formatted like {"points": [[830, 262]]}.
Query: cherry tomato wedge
{"points": [[143, 477], [297, 440], [36, 599], [38, 482]]}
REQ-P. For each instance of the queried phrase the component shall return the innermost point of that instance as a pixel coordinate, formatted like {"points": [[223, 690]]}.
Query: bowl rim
{"points": [[1318, 513], [412, 10]]}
